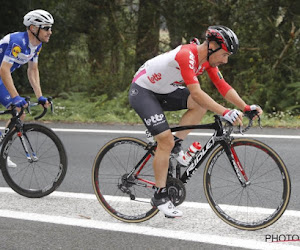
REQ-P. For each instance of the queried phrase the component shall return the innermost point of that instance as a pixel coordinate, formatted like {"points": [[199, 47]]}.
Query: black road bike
{"points": [[245, 181], [37, 152]]}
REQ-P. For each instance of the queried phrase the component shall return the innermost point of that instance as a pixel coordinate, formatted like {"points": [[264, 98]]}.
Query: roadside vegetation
{"points": [[81, 108], [97, 46]]}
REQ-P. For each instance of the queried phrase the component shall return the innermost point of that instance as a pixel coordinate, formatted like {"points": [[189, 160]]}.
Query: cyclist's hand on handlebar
{"points": [[19, 101], [233, 116], [254, 107], [43, 101]]}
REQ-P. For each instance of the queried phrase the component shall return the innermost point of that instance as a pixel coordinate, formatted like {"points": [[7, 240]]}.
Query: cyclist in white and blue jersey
{"points": [[20, 48]]}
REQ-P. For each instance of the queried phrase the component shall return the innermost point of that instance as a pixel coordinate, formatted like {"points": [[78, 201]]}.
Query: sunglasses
{"points": [[46, 28]]}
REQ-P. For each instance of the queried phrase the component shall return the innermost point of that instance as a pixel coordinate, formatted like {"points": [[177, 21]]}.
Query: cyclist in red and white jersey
{"points": [[157, 87]]}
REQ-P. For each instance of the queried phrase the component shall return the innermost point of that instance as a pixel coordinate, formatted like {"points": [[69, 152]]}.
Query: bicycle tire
{"points": [[34, 179], [128, 202], [257, 205]]}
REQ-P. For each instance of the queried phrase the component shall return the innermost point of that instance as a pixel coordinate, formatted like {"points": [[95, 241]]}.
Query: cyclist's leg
{"points": [[165, 143], [5, 98], [181, 99], [148, 107], [192, 116]]}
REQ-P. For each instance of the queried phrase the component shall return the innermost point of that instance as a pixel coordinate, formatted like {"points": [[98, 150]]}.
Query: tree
{"points": [[97, 45], [147, 31]]}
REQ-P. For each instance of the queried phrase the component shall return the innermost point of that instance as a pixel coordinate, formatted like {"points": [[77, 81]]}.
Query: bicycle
{"points": [[245, 182], [39, 155]]}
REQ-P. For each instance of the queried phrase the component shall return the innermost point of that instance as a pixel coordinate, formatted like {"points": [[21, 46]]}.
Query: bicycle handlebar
{"points": [[250, 115], [16, 114], [37, 103]]}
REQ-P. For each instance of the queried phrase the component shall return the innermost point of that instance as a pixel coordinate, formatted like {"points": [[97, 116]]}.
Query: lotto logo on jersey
{"points": [[155, 120], [16, 50], [191, 60], [155, 78]]}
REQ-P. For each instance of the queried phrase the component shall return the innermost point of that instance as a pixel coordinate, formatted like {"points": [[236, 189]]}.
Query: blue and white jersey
{"points": [[16, 49]]}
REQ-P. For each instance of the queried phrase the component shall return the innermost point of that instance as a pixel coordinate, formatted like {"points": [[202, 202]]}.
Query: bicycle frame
{"points": [[13, 122], [16, 123], [201, 155], [219, 137]]}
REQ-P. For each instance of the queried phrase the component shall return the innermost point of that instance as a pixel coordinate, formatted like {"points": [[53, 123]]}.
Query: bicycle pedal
{"points": [[170, 217]]}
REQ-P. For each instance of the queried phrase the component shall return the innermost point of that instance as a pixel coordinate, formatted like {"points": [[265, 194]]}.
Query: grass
{"points": [[81, 108]]}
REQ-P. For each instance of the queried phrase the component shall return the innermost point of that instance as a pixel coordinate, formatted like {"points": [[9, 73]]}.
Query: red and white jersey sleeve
{"points": [[217, 79], [187, 59]]}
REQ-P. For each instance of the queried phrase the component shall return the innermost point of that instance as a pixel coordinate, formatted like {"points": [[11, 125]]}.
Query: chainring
{"points": [[176, 190]]}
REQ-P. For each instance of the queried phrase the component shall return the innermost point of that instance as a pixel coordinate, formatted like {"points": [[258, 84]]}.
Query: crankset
{"points": [[176, 190]]}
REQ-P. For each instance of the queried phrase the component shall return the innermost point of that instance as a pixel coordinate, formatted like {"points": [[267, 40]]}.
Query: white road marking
{"points": [[137, 132], [236, 240], [192, 133], [150, 231], [147, 230], [188, 204]]}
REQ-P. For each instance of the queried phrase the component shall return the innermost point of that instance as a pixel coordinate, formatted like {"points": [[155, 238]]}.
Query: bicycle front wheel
{"points": [[39, 172], [123, 190], [263, 199]]}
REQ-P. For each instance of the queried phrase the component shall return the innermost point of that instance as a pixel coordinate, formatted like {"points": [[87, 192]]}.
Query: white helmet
{"points": [[38, 18]]}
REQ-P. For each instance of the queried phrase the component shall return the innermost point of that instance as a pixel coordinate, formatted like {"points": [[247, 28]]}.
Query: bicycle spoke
{"points": [[43, 170], [259, 202], [125, 197]]}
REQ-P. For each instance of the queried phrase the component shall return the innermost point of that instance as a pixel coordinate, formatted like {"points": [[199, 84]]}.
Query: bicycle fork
{"points": [[30, 157], [236, 165]]}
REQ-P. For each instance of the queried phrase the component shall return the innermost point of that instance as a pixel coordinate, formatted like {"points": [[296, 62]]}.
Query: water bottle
{"points": [[185, 158]]}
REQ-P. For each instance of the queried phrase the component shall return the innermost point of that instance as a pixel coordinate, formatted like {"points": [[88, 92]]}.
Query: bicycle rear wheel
{"points": [[43, 170], [256, 205], [125, 194]]}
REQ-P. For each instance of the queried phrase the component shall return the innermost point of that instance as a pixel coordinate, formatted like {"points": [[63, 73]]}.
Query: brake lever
{"points": [[250, 115], [258, 121], [242, 131], [51, 103], [27, 99]]}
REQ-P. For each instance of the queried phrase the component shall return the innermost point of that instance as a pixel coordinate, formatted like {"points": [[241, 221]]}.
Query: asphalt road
{"points": [[72, 218]]}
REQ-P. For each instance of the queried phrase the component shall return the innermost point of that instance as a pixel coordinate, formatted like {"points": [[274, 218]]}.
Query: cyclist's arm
{"points": [[224, 88], [186, 64], [233, 97], [34, 78], [218, 80], [204, 100], [7, 79]]}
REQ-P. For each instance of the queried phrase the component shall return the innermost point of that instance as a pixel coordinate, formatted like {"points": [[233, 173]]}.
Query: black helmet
{"points": [[223, 36]]}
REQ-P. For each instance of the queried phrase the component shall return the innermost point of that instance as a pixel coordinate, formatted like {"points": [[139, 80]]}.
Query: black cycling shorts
{"points": [[150, 106]]}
